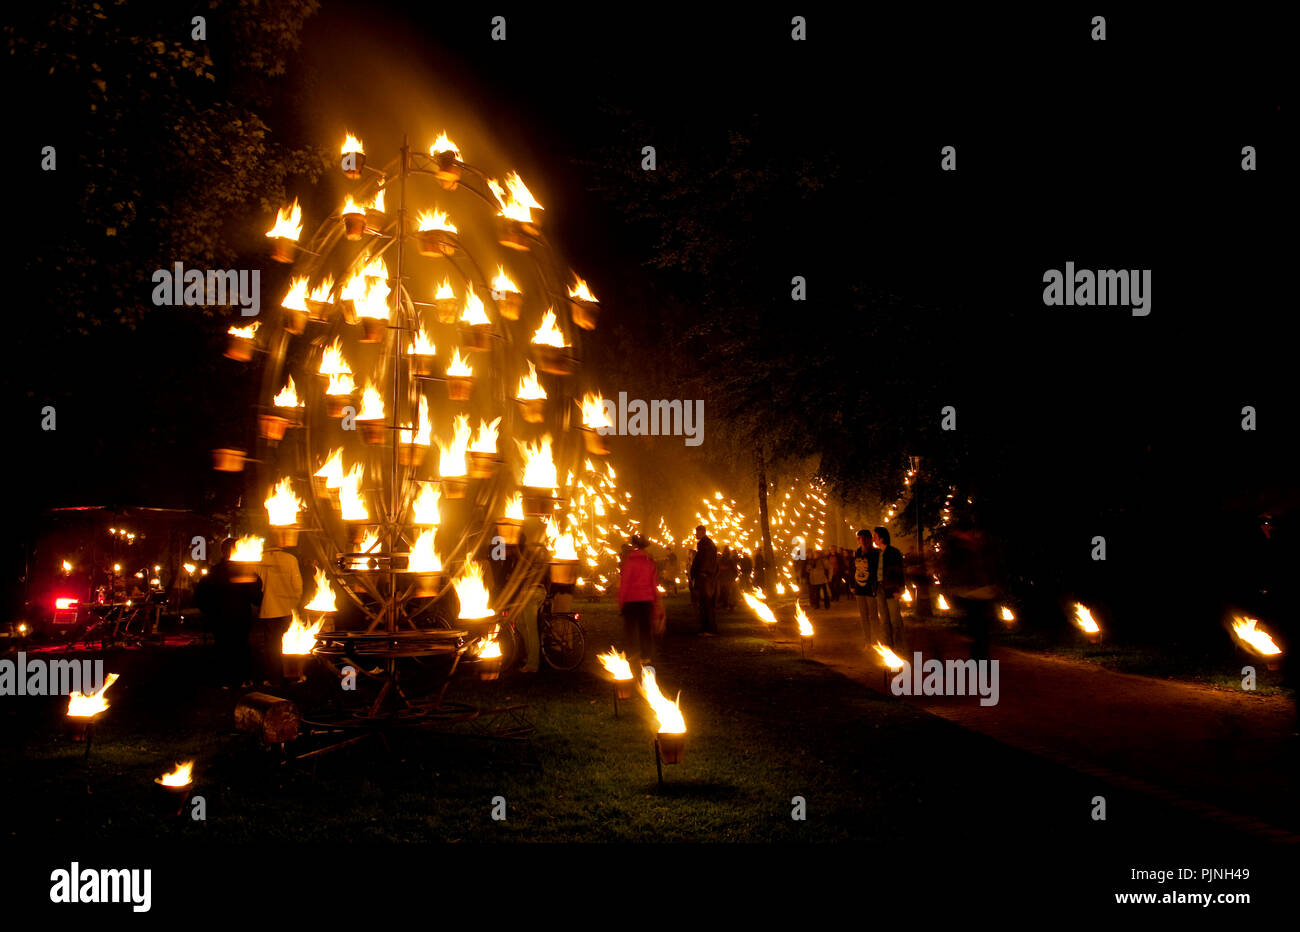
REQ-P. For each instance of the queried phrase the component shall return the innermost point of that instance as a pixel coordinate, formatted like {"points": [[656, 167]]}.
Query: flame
{"points": [[424, 433], [332, 361], [341, 385], [907, 595], [539, 467], [435, 220], [444, 291], [805, 626], [426, 505], [473, 314], [378, 203], [332, 471], [322, 291], [502, 282], [563, 548], [472, 593], [288, 397], [350, 206], [424, 558], [369, 543], [300, 638], [891, 659], [451, 458], [245, 333], [582, 292], [1007, 614], [515, 507], [372, 404], [668, 713], [443, 144], [352, 503], [323, 600], [548, 334], [616, 663], [1083, 618], [248, 549], [422, 346], [490, 647], [760, 609], [288, 222], [352, 144], [283, 506], [942, 603], [1257, 639], [593, 412], [458, 366], [83, 705], [296, 299], [183, 775], [374, 303], [486, 441], [517, 202], [529, 387]]}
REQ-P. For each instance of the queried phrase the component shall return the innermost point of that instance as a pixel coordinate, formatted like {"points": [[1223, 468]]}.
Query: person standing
{"points": [[817, 576], [227, 609], [638, 600], [673, 570], [704, 580], [281, 592], [890, 582], [970, 573], [866, 560]]}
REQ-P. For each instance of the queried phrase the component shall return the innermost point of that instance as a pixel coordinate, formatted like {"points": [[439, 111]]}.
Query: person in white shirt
{"points": [[281, 592]]}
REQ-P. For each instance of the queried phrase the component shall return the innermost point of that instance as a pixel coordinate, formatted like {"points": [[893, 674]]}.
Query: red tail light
{"points": [[62, 603]]}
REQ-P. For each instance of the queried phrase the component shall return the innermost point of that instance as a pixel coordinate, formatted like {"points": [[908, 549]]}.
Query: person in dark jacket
{"points": [[890, 582], [970, 574], [862, 583], [227, 609], [704, 580]]}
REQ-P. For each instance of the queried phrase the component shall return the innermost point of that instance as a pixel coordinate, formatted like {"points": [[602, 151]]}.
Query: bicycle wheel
{"points": [[563, 643]]}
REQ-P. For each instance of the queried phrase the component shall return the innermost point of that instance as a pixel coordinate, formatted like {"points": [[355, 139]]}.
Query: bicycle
{"points": [[563, 640]]}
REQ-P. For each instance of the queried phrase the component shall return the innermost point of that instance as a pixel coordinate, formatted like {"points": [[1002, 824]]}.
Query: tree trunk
{"points": [[769, 559]]}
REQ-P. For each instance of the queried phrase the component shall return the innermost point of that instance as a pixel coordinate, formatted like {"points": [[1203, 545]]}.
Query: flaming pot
{"points": [[459, 387], [422, 365], [427, 585], [448, 172], [282, 249], [243, 571], [483, 465], [285, 536], [334, 404], [554, 359], [228, 460], [584, 313], [410, 454], [375, 218], [240, 348], [623, 689], [319, 309], [595, 441], [294, 666], [508, 304], [477, 338], [374, 329], [354, 225], [435, 243], [671, 746], [272, 427], [172, 799], [373, 432], [514, 234], [454, 486], [295, 322], [318, 487], [358, 162], [531, 408], [489, 669], [564, 572], [537, 502], [348, 308], [445, 308], [508, 530]]}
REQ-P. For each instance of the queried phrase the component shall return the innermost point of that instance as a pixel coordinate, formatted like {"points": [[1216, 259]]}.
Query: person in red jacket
{"points": [[638, 600]]}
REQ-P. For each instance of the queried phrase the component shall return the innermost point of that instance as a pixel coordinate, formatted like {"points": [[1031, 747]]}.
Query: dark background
{"points": [[776, 159]]}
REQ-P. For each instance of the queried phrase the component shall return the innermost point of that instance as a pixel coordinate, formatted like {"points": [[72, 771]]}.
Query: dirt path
{"points": [[1221, 754]]}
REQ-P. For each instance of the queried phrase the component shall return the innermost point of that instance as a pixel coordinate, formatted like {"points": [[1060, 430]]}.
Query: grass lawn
{"points": [[764, 726]]}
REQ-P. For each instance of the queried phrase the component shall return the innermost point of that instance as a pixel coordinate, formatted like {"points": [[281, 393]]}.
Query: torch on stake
{"points": [[659, 764]]}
